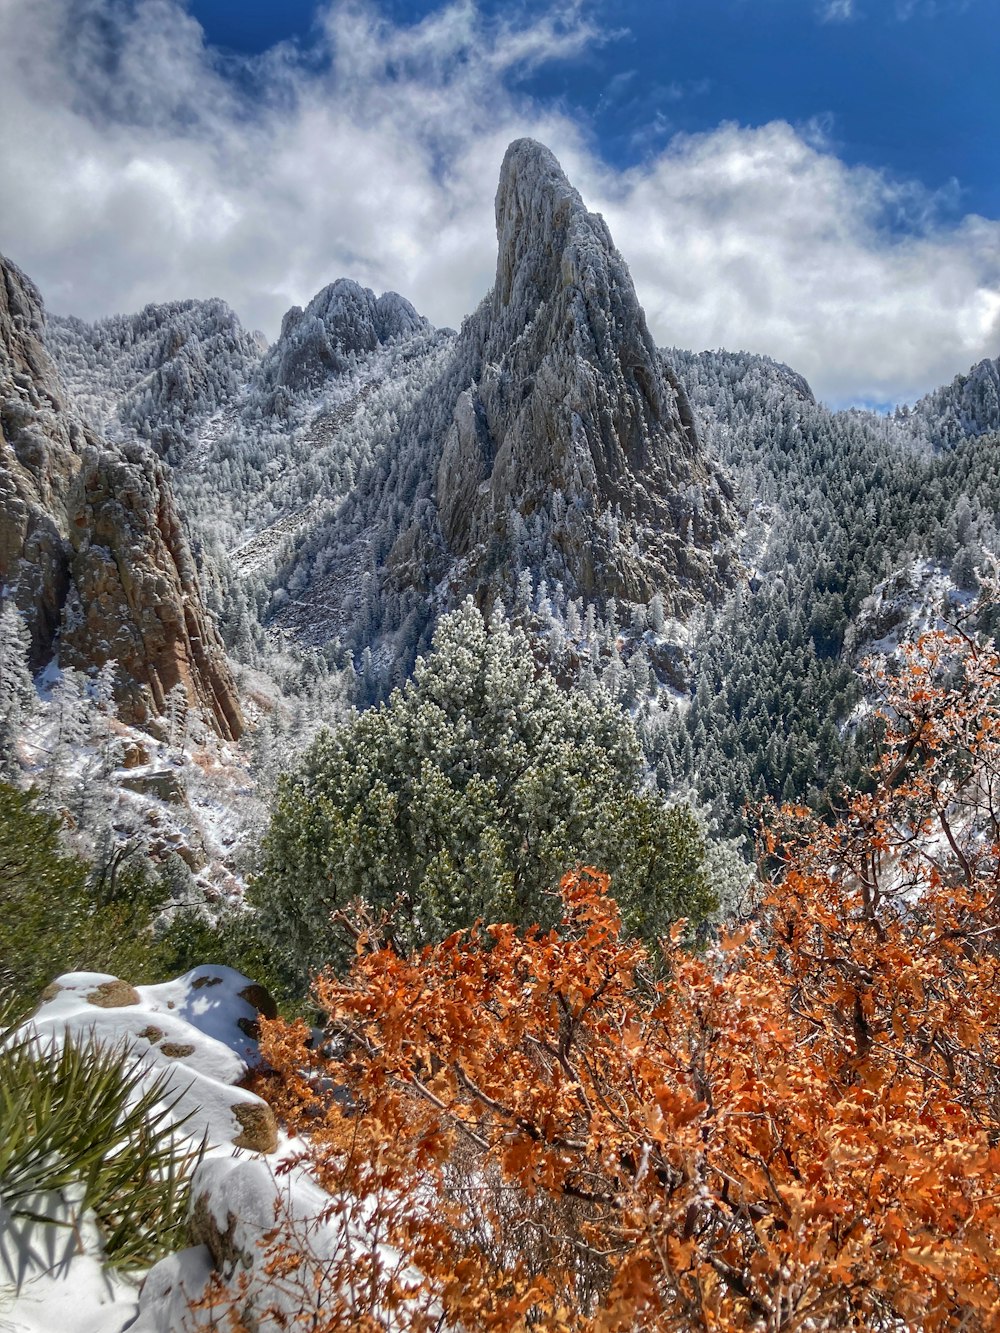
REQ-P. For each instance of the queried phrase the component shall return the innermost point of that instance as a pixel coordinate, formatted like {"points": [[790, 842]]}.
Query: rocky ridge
{"points": [[550, 435], [156, 374], [553, 438], [341, 323], [91, 544]]}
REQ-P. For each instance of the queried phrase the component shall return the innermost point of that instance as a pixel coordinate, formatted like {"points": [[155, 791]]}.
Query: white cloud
{"points": [[836, 11], [930, 9], [134, 168], [760, 239]]}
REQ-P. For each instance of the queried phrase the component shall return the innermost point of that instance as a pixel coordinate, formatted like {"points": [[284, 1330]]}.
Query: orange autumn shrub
{"points": [[797, 1130]]}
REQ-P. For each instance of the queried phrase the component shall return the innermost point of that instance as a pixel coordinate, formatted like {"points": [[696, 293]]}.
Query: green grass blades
{"points": [[79, 1122]]}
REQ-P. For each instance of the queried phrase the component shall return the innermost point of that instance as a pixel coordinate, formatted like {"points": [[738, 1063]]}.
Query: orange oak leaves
{"points": [[799, 1129]]}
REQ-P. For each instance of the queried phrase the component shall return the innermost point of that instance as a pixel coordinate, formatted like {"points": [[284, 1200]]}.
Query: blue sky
{"points": [[912, 87], [813, 179]]}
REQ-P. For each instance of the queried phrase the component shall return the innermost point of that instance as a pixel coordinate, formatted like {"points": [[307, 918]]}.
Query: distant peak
{"points": [[353, 314], [342, 320]]}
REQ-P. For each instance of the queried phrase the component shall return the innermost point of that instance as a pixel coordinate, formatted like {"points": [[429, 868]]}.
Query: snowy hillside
{"points": [[156, 374]]}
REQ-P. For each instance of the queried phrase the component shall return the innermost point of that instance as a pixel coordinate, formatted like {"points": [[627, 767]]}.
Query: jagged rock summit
{"points": [[91, 545], [569, 432], [342, 321]]}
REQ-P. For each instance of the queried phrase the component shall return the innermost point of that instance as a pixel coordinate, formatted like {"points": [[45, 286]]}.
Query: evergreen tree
{"points": [[17, 691], [467, 795]]}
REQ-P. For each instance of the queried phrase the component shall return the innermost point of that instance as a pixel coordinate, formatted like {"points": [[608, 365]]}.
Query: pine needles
{"points": [[83, 1130]]}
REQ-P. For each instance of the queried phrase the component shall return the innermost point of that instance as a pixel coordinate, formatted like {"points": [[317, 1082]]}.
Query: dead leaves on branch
{"points": [[796, 1131]]}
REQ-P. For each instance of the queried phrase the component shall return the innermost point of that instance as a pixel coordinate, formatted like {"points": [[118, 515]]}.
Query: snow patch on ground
{"points": [[53, 1279], [198, 1032], [919, 597]]}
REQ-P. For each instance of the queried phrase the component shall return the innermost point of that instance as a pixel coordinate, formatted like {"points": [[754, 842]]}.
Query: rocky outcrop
{"points": [[570, 432], [343, 321], [91, 545], [40, 454]]}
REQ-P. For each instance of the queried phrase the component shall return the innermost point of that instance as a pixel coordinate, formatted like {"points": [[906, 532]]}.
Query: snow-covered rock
{"points": [[341, 322], [199, 1031], [919, 597], [52, 1278], [239, 1210], [573, 422]]}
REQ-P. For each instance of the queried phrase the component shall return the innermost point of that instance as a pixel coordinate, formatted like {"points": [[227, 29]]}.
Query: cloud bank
{"points": [[137, 164]]}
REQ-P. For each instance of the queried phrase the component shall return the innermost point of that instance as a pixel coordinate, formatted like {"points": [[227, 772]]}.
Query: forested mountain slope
{"points": [[968, 406], [694, 533], [157, 374], [837, 504]]}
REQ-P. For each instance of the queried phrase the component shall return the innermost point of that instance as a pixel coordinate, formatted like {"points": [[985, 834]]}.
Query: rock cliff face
{"points": [[569, 425], [91, 546]]}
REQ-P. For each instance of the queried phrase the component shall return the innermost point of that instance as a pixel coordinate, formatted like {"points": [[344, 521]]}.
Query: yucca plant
{"points": [[77, 1124]]}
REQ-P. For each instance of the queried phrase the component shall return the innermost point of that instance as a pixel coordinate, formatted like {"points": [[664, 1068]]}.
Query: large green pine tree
{"points": [[467, 795]]}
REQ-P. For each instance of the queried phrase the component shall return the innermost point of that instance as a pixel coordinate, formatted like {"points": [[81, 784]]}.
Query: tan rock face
{"points": [[259, 1129], [40, 450], [91, 542], [221, 1243], [113, 995]]}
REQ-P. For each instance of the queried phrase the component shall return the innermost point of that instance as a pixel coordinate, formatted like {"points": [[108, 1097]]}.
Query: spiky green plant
{"points": [[79, 1129]]}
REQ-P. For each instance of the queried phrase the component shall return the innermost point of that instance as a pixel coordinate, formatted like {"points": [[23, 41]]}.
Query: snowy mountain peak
{"points": [[342, 321], [539, 215], [570, 398]]}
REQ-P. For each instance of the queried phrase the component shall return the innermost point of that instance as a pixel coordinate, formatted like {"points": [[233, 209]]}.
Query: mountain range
{"points": [[694, 532]]}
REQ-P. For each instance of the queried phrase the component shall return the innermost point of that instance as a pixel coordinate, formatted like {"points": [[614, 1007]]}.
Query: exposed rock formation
{"points": [[344, 320], [91, 545], [40, 452], [569, 429]]}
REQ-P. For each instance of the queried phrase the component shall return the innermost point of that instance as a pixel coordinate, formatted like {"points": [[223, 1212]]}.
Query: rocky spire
{"points": [[570, 398], [91, 546]]}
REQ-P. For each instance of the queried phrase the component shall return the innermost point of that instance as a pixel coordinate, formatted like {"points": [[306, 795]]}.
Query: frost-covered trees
{"points": [[17, 692], [839, 501], [468, 794], [796, 1132]]}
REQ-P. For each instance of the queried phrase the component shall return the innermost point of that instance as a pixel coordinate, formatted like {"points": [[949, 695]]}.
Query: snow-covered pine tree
{"points": [[467, 795], [17, 691]]}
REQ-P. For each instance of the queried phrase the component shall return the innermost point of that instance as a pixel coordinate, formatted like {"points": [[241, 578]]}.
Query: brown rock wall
{"points": [[91, 544]]}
